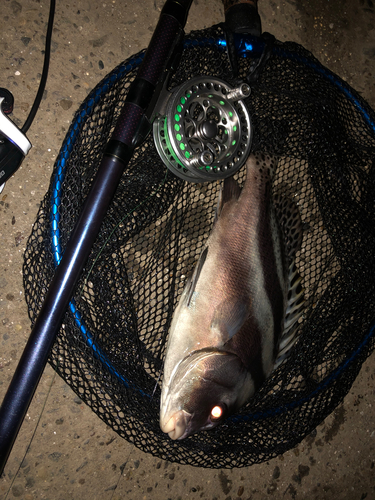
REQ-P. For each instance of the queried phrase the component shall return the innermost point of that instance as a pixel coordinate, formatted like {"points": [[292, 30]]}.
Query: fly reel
{"points": [[206, 132]]}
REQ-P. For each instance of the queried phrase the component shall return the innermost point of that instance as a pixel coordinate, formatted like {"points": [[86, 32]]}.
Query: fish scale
{"points": [[239, 307]]}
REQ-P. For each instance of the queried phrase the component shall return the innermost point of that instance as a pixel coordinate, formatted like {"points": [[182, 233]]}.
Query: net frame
{"points": [[324, 135]]}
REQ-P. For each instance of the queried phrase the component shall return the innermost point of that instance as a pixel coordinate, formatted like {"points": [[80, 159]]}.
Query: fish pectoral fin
{"points": [[229, 317], [229, 191], [196, 274]]}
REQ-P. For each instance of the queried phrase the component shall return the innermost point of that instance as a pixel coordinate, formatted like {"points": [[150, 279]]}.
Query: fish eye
{"points": [[217, 412]]}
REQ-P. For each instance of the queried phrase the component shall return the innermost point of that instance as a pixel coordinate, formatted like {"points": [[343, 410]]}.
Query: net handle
{"points": [[115, 160]]}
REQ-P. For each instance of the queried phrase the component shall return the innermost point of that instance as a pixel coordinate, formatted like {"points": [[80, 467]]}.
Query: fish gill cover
{"points": [[110, 348]]}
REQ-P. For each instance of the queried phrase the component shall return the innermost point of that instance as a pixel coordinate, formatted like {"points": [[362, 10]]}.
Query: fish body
{"points": [[234, 320]]}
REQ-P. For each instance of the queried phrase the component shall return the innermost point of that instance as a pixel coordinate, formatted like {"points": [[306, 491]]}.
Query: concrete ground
{"points": [[73, 454]]}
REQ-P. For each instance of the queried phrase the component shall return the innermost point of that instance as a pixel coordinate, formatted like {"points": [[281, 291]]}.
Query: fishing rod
{"points": [[132, 127]]}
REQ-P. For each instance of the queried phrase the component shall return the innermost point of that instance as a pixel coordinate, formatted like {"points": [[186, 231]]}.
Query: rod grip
{"points": [[241, 16], [230, 3]]}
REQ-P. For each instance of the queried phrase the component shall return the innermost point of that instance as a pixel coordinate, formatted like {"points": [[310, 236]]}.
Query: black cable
{"points": [[43, 79]]}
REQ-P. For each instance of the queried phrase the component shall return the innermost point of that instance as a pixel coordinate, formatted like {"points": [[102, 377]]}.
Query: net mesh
{"points": [[111, 345]]}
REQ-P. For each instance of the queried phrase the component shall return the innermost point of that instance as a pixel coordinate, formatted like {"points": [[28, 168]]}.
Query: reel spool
{"points": [[206, 132]]}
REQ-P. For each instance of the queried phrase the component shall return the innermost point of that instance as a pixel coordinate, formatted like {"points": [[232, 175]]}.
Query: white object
{"points": [[9, 130]]}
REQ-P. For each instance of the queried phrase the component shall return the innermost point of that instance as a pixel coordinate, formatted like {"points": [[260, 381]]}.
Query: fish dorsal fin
{"points": [[230, 190], [294, 310], [289, 218], [229, 317], [196, 274]]}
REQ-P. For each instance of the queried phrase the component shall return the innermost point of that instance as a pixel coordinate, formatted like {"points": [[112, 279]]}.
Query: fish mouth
{"points": [[177, 425]]}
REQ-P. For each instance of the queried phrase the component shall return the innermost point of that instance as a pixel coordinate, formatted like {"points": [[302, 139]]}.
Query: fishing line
{"points": [[122, 468], [156, 385], [34, 432]]}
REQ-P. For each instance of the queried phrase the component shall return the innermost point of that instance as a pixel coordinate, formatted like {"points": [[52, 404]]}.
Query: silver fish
{"points": [[236, 318]]}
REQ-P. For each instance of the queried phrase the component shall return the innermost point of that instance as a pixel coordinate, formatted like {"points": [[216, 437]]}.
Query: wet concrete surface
{"points": [[71, 453]]}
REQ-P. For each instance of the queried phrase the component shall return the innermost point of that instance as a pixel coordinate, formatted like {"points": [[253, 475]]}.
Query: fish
{"points": [[236, 319]]}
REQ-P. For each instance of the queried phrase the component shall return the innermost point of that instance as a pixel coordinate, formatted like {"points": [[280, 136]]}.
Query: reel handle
{"points": [[241, 16]]}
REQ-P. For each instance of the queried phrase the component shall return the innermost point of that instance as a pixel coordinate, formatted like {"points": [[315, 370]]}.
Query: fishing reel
{"points": [[204, 132]]}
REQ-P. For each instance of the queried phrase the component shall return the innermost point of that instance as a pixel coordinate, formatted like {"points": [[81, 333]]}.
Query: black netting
{"points": [[111, 345]]}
